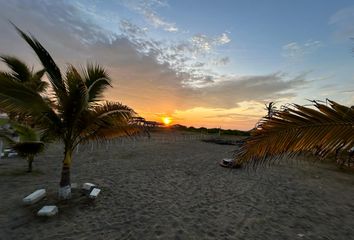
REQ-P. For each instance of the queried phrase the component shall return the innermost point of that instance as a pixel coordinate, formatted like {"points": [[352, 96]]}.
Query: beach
{"points": [[171, 187]]}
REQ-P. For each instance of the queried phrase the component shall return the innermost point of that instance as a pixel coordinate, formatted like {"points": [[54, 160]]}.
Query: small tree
{"points": [[74, 112], [29, 143]]}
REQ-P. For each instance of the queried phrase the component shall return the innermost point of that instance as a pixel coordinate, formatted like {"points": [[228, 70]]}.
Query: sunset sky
{"points": [[202, 63]]}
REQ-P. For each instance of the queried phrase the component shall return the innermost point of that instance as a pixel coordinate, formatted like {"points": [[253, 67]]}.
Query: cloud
{"points": [[130, 29], [204, 44], [185, 58], [147, 9], [295, 50], [221, 61], [148, 75], [342, 20], [223, 39]]}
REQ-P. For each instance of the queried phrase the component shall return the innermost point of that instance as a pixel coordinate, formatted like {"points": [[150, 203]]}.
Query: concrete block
{"points": [[94, 193], [88, 186], [34, 197], [227, 160], [12, 154], [48, 211]]}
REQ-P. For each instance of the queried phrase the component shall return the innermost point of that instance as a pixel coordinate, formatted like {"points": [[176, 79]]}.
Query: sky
{"points": [[202, 63]]}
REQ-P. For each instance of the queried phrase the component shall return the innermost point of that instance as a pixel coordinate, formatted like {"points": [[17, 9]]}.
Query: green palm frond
{"points": [[37, 83], [107, 121], [50, 66], [97, 80], [20, 70], [28, 148], [323, 129], [77, 99], [25, 133], [16, 97]]}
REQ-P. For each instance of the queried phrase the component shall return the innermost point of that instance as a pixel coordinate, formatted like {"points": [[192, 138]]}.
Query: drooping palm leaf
{"points": [[20, 70], [25, 133], [108, 120], [28, 148], [296, 129], [50, 66], [97, 80], [16, 98]]}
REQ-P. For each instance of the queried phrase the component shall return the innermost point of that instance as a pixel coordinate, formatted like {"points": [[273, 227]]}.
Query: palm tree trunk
{"points": [[30, 161], [65, 188]]}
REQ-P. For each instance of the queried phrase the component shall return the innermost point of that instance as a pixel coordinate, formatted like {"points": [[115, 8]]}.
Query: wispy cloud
{"points": [[295, 50], [343, 22], [203, 43], [147, 8], [128, 28], [221, 61]]}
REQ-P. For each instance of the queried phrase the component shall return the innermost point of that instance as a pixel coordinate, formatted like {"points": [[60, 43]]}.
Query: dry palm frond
{"points": [[323, 129]]}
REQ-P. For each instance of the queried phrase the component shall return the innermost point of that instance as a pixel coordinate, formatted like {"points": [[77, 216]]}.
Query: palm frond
{"points": [[50, 66], [26, 133], [97, 80], [28, 148], [20, 70], [107, 121], [323, 129], [16, 98], [37, 83], [77, 100]]}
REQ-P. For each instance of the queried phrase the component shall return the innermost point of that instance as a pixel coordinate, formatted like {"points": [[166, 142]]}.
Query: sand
{"points": [[171, 187]]}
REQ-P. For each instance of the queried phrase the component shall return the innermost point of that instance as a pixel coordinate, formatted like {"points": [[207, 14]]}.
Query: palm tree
{"points": [[75, 113], [29, 144], [324, 130]]}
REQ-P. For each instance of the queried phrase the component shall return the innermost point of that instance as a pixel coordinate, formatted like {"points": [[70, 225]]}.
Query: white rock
{"points": [[88, 186], [228, 160], [12, 154], [34, 197], [94, 193], [74, 185], [48, 211]]}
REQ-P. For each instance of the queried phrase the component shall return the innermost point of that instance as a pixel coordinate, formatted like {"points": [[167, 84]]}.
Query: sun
{"points": [[166, 120]]}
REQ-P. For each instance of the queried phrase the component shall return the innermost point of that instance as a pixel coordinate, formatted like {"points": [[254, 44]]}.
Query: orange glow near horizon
{"points": [[166, 120]]}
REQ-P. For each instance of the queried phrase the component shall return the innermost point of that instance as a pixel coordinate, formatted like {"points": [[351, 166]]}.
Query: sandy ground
{"points": [[171, 187]]}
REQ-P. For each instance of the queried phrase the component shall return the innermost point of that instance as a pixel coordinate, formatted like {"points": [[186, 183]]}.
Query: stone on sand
{"points": [[34, 197], [94, 193], [48, 211], [88, 186]]}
